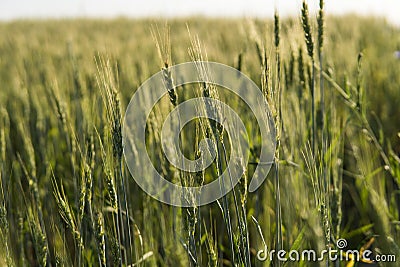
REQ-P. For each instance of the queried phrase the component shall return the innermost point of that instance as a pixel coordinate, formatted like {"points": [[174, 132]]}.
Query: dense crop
{"points": [[67, 197]]}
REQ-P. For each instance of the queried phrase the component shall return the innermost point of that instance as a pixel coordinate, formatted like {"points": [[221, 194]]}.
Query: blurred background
{"points": [[11, 9]]}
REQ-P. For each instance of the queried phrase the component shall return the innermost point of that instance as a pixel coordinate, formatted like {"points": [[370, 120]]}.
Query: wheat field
{"points": [[67, 197]]}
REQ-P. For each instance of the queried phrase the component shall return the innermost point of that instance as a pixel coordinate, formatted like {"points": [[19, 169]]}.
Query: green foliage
{"points": [[66, 196]]}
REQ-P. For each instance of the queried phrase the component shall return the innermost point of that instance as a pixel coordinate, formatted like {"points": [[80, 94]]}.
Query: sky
{"points": [[19, 9]]}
